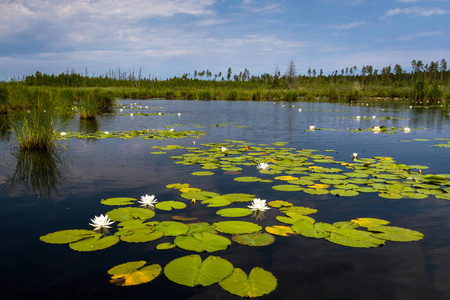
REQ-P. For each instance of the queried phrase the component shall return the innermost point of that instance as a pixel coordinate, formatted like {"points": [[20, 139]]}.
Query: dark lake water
{"points": [[72, 182]]}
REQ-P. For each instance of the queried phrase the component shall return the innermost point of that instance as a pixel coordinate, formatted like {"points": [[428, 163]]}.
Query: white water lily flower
{"points": [[262, 166], [101, 222], [106, 132], [148, 200], [374, 117], [354, 155], [223, 149], [376, 129], [258, 205], [407, 129], [358, 117], [312, 127], [63, 133], [179, 114], [172, 130], [299, 109], [131, 114]]}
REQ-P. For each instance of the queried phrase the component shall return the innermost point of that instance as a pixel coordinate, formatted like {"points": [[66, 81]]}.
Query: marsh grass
{"points": [[34, 129]]}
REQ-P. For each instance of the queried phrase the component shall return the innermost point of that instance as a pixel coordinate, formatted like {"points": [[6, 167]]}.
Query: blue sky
{"points": [[169, 38]]}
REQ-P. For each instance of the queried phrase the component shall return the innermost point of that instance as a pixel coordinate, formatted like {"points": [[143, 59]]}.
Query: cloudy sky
{"points": [[169, 38]]}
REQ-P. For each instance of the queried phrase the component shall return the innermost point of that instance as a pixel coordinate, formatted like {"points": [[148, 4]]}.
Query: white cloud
{"points": [[415, 11], [416, 35], [347, 26]]}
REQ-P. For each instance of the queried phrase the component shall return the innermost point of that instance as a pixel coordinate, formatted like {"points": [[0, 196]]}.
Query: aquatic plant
{"points": [[34, 129]]}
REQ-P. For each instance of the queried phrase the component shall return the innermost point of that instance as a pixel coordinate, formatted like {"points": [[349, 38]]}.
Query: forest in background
{"points": [[430, 81]]}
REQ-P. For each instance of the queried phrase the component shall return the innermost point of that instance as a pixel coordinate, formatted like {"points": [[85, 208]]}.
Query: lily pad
{"points": [[236, 227], [142, 236], [287, 188], [132, 273], [254, 239], [202, 241], [234, 212], [130, 213], [97, 242], [279, 203], [169, 205], [118, 201], [165, 246], [280, 230], [191, 271], [397, 234], [308, 229], [172, 228], [259, 282], [67, 236], [202, 173], [354, 238]]}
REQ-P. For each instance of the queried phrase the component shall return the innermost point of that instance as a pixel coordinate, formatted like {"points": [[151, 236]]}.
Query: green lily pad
{"points": [[200, 227], [67, 236], [202, 173], [259, 282], [234, 212], [165, 246], [97, 242], [254, 239], [247, 179], [169, 205], [291, 218], [191, 271], [279, 203], [308, 229], [202, 241], [354, 238], [142, 236], [287, 188], [172, 228], [396, 234], [132, 273], [298, 209], [118, 201], [280, 230], [129, 213], [316, 191], [236, 227], [344, 193]]}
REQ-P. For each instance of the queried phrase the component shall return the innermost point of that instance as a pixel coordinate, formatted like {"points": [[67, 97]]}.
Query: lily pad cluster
{"points": [[318, 174], [150, 134]]}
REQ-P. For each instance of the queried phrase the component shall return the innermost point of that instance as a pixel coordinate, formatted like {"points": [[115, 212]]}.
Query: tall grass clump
{"points": [[88, 106], [3, 99], [34, 129]]}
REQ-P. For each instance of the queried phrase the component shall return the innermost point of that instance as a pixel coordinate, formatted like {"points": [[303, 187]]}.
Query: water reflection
{"points": [[88, 126], [38, 173], [5, 128]]}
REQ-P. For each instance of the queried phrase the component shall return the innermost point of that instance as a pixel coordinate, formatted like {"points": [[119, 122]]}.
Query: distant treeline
{"points": [[429, 81], [431, 72]]}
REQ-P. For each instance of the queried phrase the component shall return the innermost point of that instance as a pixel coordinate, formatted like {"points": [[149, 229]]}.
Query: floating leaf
{"points": [[177, 186], [354, 238], [200, 227], [97, 242], [191, 271], [316, 191], [202, 241], [202, 173], [254, 239], [291, 218], [259, 282], [298, 209], [236, 227], [129, 213], [287, 188], [118, 201], [172, 228], [168, 205], [165, 246], [142, 236], [344, 193], [182, 218], [131, 273], [396, 234], [279, 203], [234, 212], [308, 229], [67, 236], [370, 222], [280, 230], [247, 179]]}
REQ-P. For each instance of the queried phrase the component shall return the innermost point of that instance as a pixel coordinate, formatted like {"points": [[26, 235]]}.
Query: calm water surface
{"points": [[72, 182]]}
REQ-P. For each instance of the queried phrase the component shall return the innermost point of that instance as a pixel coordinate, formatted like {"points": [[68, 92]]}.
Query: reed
{"points": [[34, 129]]}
